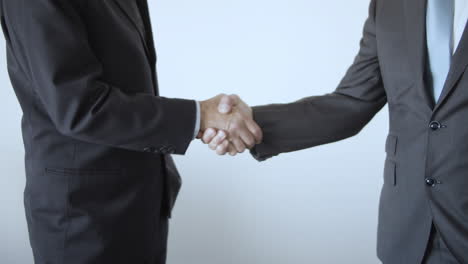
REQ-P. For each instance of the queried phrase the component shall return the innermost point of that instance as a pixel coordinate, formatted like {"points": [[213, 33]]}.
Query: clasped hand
{"points": [[227, 125]]}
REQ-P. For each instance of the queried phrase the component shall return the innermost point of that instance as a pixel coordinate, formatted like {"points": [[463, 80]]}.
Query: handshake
{"points": [[227, 125]]}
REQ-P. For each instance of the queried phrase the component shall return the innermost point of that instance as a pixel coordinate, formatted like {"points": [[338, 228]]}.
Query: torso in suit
{"points": [[97, 135], [426, 169]]}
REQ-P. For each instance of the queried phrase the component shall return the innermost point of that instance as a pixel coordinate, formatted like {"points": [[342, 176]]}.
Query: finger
{"points": [[240, 104], [208, 136], [218, 139], [222, 149], [232, 150], [235, 98], [247, 138], [239, 145], [255, 129], [226, 104]]}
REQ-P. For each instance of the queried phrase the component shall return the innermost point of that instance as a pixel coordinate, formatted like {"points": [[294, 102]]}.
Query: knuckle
{"points": [[259, 134], [241, 148], [216, 140], [257, 131], [207, 139], [249, 143], [228, 99]]}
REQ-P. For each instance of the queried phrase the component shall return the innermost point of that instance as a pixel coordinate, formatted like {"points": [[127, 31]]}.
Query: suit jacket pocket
{"points": [[92, 187], [60, 186], [49, 198], [84, 176]]}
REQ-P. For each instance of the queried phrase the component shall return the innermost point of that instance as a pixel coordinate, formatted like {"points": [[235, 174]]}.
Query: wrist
{"points": [[203, 115]]}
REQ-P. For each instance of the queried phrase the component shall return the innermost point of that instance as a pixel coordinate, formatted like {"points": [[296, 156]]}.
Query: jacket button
{"points": [[430, 182], [434, 125]]}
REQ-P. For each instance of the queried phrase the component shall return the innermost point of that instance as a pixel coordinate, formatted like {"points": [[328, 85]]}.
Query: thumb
{"points": [[226, 104]]}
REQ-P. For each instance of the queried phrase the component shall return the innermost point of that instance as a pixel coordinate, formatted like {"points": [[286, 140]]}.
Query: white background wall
{"points": [[314, 206]]}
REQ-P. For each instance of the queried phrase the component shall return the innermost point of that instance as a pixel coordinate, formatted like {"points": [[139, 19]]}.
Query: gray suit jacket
{"points": [[426, 170]]}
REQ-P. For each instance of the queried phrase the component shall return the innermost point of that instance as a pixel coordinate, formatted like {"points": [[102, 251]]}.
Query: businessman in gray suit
{"points": [[413, 57]]}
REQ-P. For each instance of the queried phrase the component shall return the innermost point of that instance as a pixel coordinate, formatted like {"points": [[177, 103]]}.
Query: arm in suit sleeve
{"points": [[324, 119], [66, 76]]}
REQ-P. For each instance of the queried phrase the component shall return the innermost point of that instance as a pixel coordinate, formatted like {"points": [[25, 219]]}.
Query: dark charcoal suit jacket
{"points": [[97, 136], [426, 170]]}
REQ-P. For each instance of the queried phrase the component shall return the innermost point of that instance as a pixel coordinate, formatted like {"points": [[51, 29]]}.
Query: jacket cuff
{"points": [[180, 133], [263, 151]]}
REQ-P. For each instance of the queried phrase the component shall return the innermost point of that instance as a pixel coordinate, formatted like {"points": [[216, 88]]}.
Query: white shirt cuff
{"points": [[197, 120]]}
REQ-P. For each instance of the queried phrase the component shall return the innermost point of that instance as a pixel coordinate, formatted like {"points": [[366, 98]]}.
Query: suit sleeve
{"points": [[67, 79], [324, 119]]}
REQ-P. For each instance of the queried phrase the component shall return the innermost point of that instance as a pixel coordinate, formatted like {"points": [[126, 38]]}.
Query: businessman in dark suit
{"points": [[413, 57], [98, 137]]}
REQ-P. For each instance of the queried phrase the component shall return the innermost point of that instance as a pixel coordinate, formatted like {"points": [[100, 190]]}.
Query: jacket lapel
{"points": [[457, 68], [131, 14], [415, 16]]}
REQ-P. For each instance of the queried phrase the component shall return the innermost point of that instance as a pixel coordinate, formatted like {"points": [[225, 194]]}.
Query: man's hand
{"points": [[221, 140], [227, 124]]}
